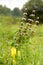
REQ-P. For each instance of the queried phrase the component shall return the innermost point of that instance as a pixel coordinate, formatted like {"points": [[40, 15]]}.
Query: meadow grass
{"points": [[33, 51]]}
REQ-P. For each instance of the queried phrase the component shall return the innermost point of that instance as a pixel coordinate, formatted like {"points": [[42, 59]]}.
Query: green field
{"points": [[31, 54]]}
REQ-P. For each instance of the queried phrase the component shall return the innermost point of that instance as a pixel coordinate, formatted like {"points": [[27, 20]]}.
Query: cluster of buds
{"points": [[25, 29], [23, 35], [32, 16]]}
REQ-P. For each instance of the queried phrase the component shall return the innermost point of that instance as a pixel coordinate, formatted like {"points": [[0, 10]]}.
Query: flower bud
{"points": [[29, 24], [25, 14], [16, 45], [32, 30], [30, 20], [20, 34], [24, 31], [21, 27], [22, 23], [32, 15], [25, 28], [29, 28], [37, 18], [33, 11], [24, 19], [26, 34], [19, 30], [14, 38], [25, 9], [37, 22]]}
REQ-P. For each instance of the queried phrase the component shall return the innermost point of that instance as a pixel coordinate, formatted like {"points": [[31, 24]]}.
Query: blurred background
{"points": [[15, 8]]}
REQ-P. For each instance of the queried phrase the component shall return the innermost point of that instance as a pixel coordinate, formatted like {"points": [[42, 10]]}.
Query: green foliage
{"points": [[7, 11], [31, 54], [4, 10], [34, 3], [16, 12]]}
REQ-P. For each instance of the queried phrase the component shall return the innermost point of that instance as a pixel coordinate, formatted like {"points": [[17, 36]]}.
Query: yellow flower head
{"points": [[19, 53], [13, 52]]}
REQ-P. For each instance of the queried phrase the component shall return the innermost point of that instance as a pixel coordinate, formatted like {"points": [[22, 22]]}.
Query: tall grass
{"points": [[31, 54]]}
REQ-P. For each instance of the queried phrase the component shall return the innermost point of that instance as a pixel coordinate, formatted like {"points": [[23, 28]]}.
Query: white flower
{"points": [[25, 9], [24, 19], [37, 21], [28, 24], [37, 17], [33, 11], [33, 15], [25, 14], [30, 20]]}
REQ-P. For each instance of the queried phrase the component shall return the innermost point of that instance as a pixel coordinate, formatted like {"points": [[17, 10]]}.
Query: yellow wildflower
{"points": [[13, 52], [19, 53]]}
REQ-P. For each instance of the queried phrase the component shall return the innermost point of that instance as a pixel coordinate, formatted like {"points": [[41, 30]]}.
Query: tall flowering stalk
{"points": [[23, 35]]}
